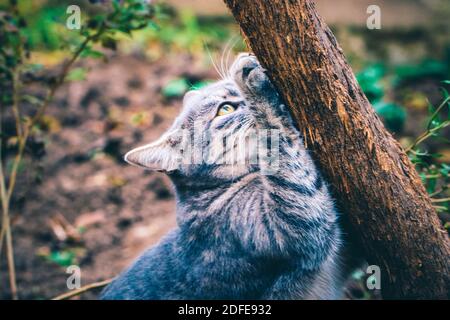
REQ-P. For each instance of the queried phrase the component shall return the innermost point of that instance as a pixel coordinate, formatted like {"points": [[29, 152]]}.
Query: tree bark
{"points": [[375, 184]]}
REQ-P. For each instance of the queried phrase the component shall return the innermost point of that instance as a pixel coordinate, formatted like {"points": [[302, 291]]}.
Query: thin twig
{"points": [[440, 200], [2, 183], [440, 190], [430, 131], [83, 289], [436, 112], [434, 176], [10, 258], [15, 107], [23, 134], [29, 125], [5, 196]]}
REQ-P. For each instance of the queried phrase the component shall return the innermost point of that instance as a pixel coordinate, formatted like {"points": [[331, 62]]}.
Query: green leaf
{"points": [[116, 5], [77, 74], [62, 258], [88, 52], [33, 67], [175, 88], [393, 115], [373, 90], [371, 73], [31, 99], [431, 185], [109, 43], [201, 84], [358, 274], [369, 80], [445, 169], [427, 67], [20, 168]]}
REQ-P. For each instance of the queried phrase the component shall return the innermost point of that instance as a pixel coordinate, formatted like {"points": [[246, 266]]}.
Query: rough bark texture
{"points": [[375, 184]]}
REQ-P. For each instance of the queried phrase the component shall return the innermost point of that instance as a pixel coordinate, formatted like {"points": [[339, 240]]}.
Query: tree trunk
{"points": [[374, 182]]}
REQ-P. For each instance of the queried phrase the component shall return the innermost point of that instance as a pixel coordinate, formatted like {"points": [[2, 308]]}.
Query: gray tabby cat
{"points": [[242, 233]]}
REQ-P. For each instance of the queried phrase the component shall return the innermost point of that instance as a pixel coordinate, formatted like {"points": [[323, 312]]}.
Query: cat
{"points": [[246, 230]]}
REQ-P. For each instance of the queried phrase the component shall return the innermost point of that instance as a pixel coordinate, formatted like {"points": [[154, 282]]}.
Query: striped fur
{"points": [[242, 233]]}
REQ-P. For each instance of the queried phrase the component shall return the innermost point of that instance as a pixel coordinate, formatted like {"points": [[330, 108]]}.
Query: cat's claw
{"points": [[249, 75]]}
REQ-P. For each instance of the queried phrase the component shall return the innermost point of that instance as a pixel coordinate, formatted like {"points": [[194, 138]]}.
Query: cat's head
{"points": [[214, 138]]}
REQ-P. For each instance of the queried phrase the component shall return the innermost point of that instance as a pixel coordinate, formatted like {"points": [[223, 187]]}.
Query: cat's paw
{"points": [[250, 76]]}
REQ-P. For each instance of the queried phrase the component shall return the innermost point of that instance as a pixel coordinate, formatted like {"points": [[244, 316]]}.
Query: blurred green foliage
{"points": [[435, 174], [45, 28], [63, 258], [371, 81], [394, 116], [175, 88], [376, 80], [183, 30], [426, 68]]}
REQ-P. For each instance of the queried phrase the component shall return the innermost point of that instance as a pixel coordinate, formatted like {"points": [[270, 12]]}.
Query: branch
{"points": [[430, 131], [83, 289]]}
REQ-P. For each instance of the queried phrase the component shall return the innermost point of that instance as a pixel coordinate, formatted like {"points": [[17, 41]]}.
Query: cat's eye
{"points": [[225, 109]]}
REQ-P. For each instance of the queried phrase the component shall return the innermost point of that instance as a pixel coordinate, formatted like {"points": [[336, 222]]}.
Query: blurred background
{"points": [[77, 202]]}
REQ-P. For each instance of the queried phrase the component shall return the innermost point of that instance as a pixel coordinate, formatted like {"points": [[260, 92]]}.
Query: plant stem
{"points": [[440, 200], [85, 288], [430, 131], [439, 191], [5, 196], [434, 176], [22, 136]]}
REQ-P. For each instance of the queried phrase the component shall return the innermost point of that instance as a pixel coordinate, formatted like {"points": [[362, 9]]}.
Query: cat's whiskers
{"points": [[222, 66], [223, 69], [225, 58], [212, 60], [221, 62], [234, 40]]}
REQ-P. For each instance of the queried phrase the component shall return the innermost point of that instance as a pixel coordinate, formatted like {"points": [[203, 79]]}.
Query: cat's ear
{"points": [[161, 155]]}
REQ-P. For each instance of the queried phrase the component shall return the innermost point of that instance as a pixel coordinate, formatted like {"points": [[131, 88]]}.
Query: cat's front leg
{"points": [[266, 106], [260, 94], [252, 80], [323, 283]]}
